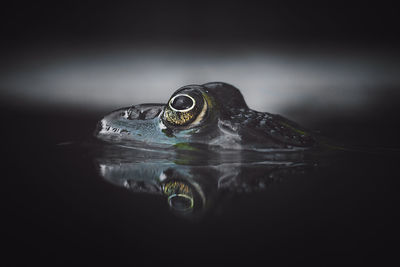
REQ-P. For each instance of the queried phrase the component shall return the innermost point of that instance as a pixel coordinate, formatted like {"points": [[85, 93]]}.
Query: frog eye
{"points": [[182, 103], [185, 109]]}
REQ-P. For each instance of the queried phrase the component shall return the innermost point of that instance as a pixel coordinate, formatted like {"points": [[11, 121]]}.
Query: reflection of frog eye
{"points": [[181, 202], [185, 109], [180, 196]]}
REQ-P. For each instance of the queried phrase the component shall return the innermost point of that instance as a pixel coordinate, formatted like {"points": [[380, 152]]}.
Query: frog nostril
{"points": [[182, 102]]}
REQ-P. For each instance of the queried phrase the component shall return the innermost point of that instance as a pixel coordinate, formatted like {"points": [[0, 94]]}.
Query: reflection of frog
{"points": [[193, 184], [212, 114]]}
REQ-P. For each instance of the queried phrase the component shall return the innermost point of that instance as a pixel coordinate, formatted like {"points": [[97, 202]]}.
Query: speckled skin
{"points": [[228, 123]]}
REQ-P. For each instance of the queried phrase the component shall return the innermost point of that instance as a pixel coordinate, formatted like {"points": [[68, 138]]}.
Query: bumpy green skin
{"points": [[228, 124]]}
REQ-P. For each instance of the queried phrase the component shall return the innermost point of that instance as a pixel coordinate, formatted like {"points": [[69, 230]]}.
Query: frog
{"points": [[213, 114]]}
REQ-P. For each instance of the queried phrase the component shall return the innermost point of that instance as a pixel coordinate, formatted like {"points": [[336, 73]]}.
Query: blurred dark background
{"points": [[331, 66], [204, 21], [102, 55]]}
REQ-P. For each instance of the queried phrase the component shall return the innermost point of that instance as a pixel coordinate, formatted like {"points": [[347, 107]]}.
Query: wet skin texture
{"points": [[213, 114]]}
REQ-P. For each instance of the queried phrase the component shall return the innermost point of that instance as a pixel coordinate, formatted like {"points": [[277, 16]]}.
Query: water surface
{"points": [[59, 203]]}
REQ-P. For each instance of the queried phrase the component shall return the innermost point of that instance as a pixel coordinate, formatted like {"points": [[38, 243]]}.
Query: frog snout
{"points": [[99, 127], [103, 127], [107, 125]]}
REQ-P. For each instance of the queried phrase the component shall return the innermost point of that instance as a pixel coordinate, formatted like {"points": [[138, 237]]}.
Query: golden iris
{"points": [[183, 109]]}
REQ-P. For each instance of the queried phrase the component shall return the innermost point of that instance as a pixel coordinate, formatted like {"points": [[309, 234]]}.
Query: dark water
{"points": [[57, 207]]}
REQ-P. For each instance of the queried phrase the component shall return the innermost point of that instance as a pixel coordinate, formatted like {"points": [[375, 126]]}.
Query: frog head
{"points": [[212, 114]]}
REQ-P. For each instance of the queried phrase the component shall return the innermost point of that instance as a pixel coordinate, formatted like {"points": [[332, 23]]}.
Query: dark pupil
{"points": [[180, 203], [182, 102]]}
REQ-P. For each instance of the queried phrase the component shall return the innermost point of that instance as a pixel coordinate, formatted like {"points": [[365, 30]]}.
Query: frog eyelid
{"points": [[182, 110]]}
